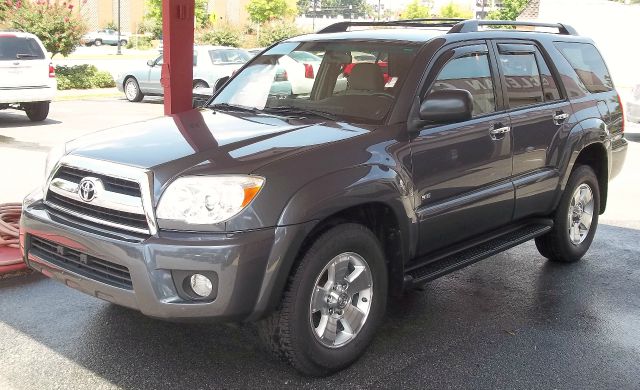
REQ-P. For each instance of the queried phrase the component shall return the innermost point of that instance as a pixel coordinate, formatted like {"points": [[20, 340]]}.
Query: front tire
{"points": [[575, 220], [97, 42], [333, 304], [37, 112], [132, 90]]}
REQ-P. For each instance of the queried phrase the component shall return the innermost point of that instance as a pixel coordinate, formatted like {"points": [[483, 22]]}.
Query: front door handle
{"points": [[499, 132], [560, 117]]}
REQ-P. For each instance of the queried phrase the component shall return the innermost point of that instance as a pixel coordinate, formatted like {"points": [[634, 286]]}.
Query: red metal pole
{"points": [[177, 68]]}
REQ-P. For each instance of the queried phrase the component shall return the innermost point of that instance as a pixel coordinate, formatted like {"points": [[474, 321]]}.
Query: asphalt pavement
{"points": [[514, 321]]}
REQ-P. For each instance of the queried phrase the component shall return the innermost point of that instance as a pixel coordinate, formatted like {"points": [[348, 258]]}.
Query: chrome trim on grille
{"points": [[106, 199], [115, 201]]}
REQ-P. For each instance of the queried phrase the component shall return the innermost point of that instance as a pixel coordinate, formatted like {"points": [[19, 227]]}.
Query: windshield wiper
{"points": [[299, 111], [19, 56], [232, 107]]}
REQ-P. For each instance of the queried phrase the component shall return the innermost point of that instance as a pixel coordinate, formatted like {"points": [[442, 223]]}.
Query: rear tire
{"points": [[575, 220], [200, 84], [132, 90], [322, 324], [123, 42], [38, 111]]}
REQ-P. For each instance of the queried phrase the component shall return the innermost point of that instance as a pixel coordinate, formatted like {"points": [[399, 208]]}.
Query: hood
{"points": [[208, 142]]}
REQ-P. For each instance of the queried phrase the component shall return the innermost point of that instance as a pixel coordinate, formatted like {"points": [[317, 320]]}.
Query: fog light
{"points": [[201, 285]]}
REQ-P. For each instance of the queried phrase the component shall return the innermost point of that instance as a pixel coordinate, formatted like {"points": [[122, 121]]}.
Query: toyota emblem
{"points": [[87, 189]]}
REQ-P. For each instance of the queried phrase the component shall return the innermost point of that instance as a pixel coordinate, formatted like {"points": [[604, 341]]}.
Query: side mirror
{"points": [[220, 82], [151, 63], [447, 106]]}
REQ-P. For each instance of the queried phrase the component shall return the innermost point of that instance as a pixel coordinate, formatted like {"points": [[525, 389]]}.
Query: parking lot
{"points": [[512, 321]]}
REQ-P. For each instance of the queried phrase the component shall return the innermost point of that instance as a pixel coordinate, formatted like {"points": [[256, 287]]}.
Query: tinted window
{"points": [[588, 64], [13, 48], [473, 74], [549, 85], [522, 78]]}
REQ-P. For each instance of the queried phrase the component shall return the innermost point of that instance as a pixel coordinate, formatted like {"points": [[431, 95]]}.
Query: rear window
{"points": [[233, 56], [588, 64], [17, 48]]}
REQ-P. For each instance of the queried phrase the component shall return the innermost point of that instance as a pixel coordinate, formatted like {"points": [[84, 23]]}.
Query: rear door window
{"points": [[588, 64], [522, 78], [18, 48]]}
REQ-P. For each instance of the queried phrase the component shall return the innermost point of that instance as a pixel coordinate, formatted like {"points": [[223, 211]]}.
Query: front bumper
{"points": [[246, 265]]}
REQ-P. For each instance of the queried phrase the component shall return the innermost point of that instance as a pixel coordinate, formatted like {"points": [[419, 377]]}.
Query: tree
{"points": [[416, 10], [261, 11], [453, 10], [154, 15], [333, 8], [510, 10], [59, 29]]}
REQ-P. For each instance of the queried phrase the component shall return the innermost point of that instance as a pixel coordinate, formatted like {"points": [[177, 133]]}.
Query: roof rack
{"points": [[472, 26], [344, 26]]}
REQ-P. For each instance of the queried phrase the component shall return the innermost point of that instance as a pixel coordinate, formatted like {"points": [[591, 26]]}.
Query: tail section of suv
{"points": [[305, 211], [27, 77]]}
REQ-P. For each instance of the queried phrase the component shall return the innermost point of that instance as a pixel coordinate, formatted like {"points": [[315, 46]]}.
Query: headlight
{"points": [[204, 200], [56, 153]]}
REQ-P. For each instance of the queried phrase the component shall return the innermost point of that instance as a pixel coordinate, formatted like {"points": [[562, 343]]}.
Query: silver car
{"points": [[209, 64]]}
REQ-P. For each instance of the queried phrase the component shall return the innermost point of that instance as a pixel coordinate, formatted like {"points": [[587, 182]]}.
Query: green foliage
{"points": [[82, 77], [333, 8], [276, 32], [510, 10], [140, 42], [111, 26], [223, 35], [154, 16], [261, 11], [59, 29], [416, 10], [453, 10]]}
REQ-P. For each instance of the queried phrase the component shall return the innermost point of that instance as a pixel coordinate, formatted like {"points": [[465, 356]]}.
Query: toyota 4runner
{"points": [[445, 144]]}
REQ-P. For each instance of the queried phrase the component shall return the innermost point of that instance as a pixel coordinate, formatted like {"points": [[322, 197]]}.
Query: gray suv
{"points": [[443, 145]]}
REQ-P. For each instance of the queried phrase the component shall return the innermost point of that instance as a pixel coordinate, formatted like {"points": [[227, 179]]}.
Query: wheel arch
{"points": [[595, 156], [200, 80], [316, 209]]}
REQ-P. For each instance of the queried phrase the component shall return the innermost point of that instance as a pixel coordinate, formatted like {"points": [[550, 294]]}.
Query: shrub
{"points": [[111, 26], [83, 77], [140, 42], [54, 22], [276, 32], [220, 35]]}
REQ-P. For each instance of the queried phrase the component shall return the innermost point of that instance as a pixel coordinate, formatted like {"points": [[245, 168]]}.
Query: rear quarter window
{"points": [[588, 65], [18, 48]]}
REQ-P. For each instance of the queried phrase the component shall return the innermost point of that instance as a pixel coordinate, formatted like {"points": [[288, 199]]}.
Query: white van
{"points": [[27, 76]]}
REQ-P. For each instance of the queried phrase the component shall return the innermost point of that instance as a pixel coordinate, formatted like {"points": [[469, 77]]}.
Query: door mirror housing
{"points": [[220, 82], [151, 63], [447, 106]]}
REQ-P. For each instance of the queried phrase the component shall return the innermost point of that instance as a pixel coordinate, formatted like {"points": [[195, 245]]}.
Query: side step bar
{"points": [[441, 264]]}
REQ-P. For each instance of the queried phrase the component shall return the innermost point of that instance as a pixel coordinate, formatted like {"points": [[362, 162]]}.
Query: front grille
{"points": [[113, 184], [137, 221], [80, 263]]}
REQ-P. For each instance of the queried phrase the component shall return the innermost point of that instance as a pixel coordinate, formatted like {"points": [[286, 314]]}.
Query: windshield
{"points": [[350, 80]]}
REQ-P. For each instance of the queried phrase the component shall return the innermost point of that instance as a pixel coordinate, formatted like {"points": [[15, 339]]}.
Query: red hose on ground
{"points": [[10, 259]]}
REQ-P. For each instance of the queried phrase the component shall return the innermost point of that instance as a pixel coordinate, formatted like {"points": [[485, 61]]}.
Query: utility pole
{"points": [[119, 44], [379, 10]]}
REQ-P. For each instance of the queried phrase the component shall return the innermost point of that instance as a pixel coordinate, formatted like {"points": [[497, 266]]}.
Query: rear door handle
{"points": [[498, 133], [559, 117]]}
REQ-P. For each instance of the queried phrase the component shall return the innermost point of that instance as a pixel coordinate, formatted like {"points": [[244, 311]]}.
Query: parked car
{"points": [[299, 70], [27, 76], [105, 37], [209, 64], [254, 51], [305, 212], [633, 105]]}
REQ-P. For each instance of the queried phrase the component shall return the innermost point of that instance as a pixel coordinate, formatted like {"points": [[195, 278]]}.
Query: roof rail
{"points": [[344, 26], [472, 26]]}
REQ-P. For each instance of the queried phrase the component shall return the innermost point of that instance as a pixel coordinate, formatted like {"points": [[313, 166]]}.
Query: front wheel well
{"points": [[382, 221], [595, 156]]}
